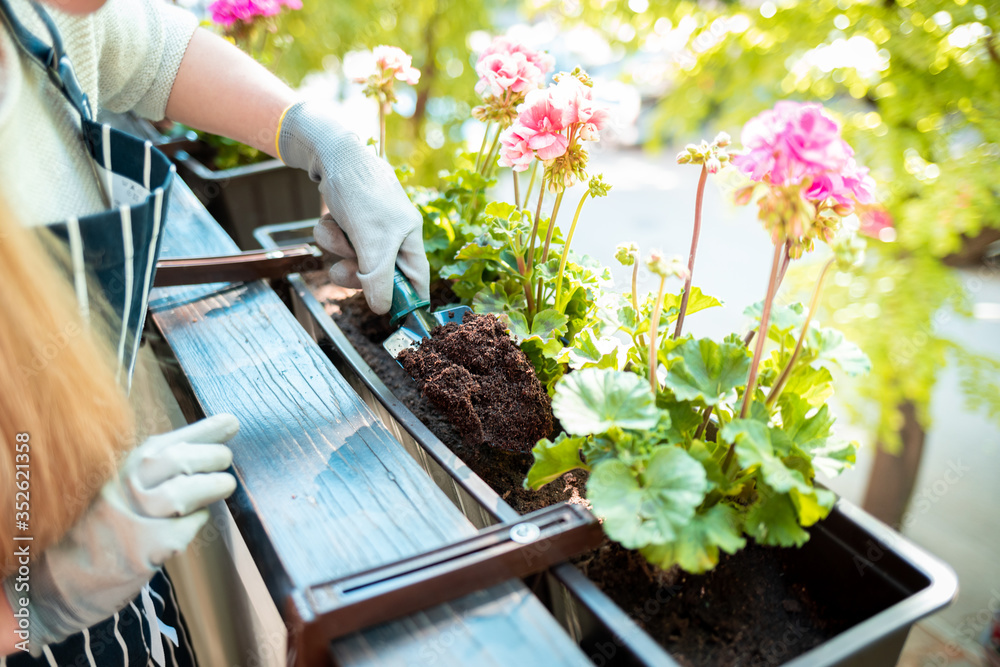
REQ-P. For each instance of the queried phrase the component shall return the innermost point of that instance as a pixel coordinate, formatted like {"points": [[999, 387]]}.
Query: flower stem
{"points": [[530, 263], [635, 284], [765, 320], [552, 226], [517, 192], [705, 416], [694, 249], [779, 384], [489, 156], [482, 146], [531, 181], [653, 326], [548, 240], [381, 129], [565, 253]]}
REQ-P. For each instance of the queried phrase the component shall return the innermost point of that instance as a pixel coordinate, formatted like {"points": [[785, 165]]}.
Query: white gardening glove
{"points": [[365, 200], [147, 513]]}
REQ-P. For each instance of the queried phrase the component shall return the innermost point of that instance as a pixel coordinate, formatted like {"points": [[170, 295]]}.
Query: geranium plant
{"points": [[510, 259], [692, 444], [698, 444]]}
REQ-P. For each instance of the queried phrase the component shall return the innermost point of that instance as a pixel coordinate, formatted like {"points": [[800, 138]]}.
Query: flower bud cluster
{"points": [[660, 265], [714, 156]]}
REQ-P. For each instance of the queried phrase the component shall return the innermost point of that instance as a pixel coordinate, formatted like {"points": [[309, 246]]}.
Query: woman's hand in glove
{"points": [[150, 511], [366, 201]]}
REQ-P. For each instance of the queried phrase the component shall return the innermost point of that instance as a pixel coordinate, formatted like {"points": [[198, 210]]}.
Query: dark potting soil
{"points": [[749, 611], [482, 381], [503, 470]]}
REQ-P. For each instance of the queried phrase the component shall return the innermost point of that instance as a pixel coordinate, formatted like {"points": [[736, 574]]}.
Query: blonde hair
{"points": [[59, 388]]}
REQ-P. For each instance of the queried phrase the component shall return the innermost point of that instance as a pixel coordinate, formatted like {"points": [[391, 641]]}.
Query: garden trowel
{"points": [[416, 318]]}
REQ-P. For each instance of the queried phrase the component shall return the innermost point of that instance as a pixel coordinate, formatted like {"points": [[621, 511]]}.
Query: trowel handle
{"points": [[404, 298]]}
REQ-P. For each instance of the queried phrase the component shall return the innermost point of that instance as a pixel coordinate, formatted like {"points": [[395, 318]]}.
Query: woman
{"points": [[67, 421], [103, 195]]}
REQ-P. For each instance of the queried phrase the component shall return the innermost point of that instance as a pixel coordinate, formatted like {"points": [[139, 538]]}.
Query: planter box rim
{"points": [[199, 168]]}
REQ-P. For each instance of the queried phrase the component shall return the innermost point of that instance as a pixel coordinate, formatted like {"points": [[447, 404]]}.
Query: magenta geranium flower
{"points": [[798, 143], [229, 12]]}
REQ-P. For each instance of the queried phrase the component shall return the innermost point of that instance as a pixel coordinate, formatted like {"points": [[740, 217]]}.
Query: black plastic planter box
{"points": [[245, 198], [851, 560]]}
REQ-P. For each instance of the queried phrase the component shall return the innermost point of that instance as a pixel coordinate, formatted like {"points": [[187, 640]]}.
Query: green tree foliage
{"points": [[923, 113], [434, 32]]}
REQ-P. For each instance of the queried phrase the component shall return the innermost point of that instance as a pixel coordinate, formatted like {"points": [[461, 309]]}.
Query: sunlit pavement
{"points": [[652, 204]]}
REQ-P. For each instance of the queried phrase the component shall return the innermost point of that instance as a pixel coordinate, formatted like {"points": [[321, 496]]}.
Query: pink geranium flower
{"points": [[541, 120], [507, 46], [396, 63], [577, 99], [876, 223], [500, 72], [514, 149]]}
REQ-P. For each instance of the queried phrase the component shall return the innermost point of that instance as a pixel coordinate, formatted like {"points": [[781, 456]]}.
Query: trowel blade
{"points": [[410, 336]]}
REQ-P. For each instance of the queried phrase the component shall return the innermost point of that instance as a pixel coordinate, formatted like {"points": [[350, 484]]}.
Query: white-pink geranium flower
{"points": [[578, 100], [502, 72], [396, 63], [543, 118], [514, 149], [505, 45]]}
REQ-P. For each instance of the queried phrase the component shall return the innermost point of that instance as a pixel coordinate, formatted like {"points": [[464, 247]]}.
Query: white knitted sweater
{"points": [[126, 57]]}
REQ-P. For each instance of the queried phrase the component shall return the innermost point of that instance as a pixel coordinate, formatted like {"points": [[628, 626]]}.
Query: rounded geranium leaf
{"points": [[652, 507], [594, 400], [697, 547], [707, 371]]}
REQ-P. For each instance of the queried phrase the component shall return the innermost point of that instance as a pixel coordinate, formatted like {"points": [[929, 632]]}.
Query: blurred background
{"points": [[916, 86]]}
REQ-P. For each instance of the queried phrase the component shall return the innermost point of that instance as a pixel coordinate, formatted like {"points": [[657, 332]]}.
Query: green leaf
{"points": [[710, 455], [783, 319], [652, 507], [590, 351], [594, 400], [807, 427], [830, 346], [553, 459], [698, 302], [754, 448], [835, 456], [549, 323], [811, 430], [772, 521], [476, 252], [494, 299], [813, 507], [498, 209], [814, 385], [696, 548], [517, 325], [708, 372], [684, 419]]}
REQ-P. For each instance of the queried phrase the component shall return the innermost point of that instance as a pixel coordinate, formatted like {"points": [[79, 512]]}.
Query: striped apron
{"points": [[117, 247]]}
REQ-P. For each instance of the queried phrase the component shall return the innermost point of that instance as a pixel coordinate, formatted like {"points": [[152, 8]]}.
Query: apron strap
{"points": [[53, 59]]}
